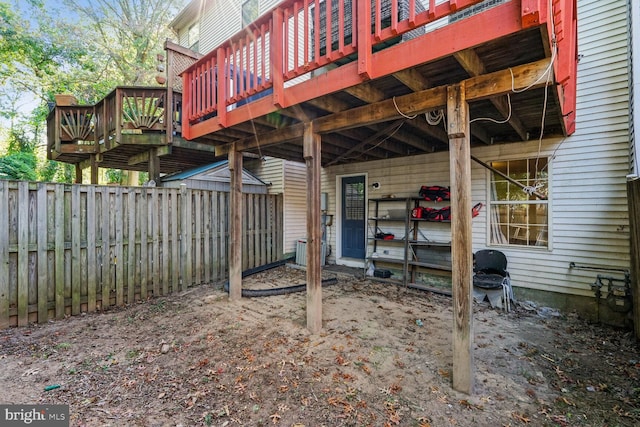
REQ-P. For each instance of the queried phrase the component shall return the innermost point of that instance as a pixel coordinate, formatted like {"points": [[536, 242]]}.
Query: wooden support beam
{"points": [[329, 103], [190, 145], [480, 87], [372, 139], [76, 149], [366, 92], [144, 156], [472, 63], [461, 239], [146, 138], [477, 88], [312, 153], [412, 79], [235, 225], [272, 138]]}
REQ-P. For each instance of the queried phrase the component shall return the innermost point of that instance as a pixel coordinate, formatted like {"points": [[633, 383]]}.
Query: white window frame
{"points": [[252, 18], [539, 241], [194, 33]]}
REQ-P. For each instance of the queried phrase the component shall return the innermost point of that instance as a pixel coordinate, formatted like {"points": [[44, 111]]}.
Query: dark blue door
{"points": [[353, 217]]}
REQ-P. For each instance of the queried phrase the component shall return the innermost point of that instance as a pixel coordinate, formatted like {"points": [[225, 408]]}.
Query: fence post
{"points": [[4, 254], [59, 244], [92, 272], [43, 311], [144, 256], [23, 253], [106, 261], [185, 237], [76, 269], [155, 249], [131, 247], [165, 242], [119, 251], [175, 241]]}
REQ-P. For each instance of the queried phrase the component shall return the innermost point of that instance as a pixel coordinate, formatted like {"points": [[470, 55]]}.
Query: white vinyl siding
{"points": [[219, 20], [270, 170], [289, 179], [295, 203], [588, 206]]}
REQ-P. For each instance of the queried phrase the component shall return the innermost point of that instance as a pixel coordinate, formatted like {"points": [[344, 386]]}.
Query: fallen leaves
{"points": [[444, 373], [228, 374], [520, 417], [468, 405], [275, 418]]}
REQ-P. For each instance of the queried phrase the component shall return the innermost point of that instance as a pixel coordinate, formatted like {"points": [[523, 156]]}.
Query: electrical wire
{"points": [[434, 117], [401, 113], [489, 119], [381, 141]]}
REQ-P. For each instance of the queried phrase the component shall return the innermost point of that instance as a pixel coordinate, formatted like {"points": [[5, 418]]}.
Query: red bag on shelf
{"points": [[421, 212]]}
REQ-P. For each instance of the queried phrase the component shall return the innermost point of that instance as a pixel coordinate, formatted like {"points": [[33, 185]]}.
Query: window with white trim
{"points": [[249, 12], [518, 203], [194, 37]]}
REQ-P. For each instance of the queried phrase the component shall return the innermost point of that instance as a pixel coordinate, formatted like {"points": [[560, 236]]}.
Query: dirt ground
{"points": [[384, 358]]}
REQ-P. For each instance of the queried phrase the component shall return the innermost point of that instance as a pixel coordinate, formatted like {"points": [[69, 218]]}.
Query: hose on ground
{"points": [[253, 293]]}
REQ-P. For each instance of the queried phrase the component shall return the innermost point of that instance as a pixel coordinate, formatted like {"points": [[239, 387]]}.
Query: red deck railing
{"points": [[294, 39]]}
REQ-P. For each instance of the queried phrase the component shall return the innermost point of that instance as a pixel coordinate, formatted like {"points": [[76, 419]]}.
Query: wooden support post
{"points": [[221, 86], [133, 178], [235, 227], [633, 200], [94, 169], [78, 173], [363, 35], [312, 145], [169, 110], [277, 64], [461, 244], [154, 165]]}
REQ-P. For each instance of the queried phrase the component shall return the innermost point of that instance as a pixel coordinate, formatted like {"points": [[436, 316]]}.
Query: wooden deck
{"points": [[367, 94], [373, 94], [122, 130]]}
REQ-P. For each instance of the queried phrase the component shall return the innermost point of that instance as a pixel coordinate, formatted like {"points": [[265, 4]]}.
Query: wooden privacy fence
{"points": [[70, 249]]}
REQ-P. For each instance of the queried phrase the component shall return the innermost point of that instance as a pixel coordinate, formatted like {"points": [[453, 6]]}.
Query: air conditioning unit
{"points": [[301, 252]]}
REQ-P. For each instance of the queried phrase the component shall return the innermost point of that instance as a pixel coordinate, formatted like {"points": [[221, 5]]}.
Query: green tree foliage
{"points": [[114, 176], [39, 54], [126, 34], [19, 166], [81, 47]]}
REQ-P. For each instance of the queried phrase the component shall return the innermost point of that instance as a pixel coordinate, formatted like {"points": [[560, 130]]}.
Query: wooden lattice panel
{"points": [[180, 63]]}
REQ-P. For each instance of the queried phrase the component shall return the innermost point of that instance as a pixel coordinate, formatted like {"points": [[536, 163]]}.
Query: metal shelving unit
{"points": [[413, 244]]}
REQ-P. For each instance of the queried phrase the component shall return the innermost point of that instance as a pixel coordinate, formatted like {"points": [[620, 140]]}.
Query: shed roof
{"points": [[218, 171]]}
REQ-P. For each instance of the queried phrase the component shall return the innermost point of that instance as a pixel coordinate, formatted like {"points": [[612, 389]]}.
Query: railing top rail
{"points": [[439, 11]]}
